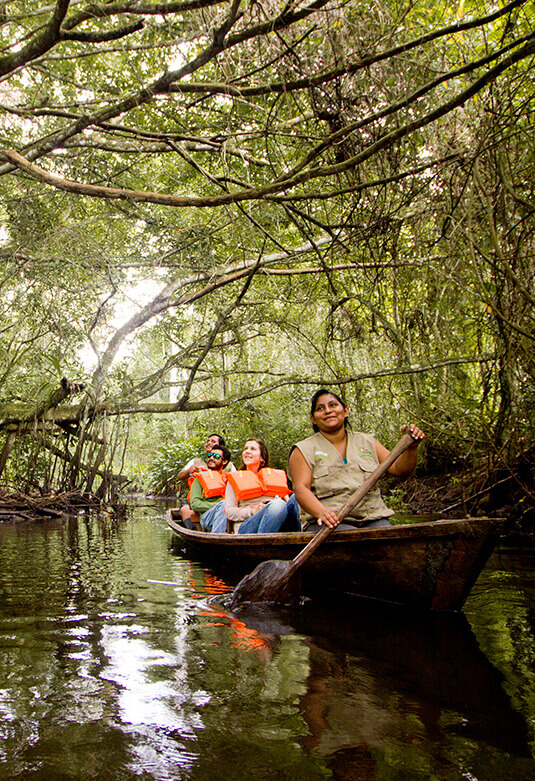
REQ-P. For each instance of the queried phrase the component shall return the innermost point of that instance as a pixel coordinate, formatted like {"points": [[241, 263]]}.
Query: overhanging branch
{"points": [[294, 178]]}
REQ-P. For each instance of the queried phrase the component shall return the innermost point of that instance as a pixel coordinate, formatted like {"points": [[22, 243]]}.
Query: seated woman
{"points": [[332, 464], [257, 498]]}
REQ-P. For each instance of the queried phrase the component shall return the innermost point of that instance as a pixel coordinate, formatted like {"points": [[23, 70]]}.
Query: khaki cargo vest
{"points": [[333, 481]]}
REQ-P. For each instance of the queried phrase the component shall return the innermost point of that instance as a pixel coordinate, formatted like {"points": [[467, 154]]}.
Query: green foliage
{"points": [[280, 421], [168, 460], [390, 240]]}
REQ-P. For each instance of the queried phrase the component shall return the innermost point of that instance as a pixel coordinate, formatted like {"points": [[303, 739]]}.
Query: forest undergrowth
{"points": [[499, 492]]}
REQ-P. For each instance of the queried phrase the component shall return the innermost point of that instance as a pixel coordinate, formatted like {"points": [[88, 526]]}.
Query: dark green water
{"points": [[118, 660]]}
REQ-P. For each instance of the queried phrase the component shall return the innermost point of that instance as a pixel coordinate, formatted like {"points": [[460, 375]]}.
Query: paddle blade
{"points": [[271, 581]]}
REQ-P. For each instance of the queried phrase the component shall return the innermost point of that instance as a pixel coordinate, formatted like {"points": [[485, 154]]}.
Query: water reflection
{"points": [[83, 669], [386, 687], [120, 659]]}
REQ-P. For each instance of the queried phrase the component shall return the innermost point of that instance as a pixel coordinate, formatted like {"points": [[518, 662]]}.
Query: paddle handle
{"points": [[405, 442]]}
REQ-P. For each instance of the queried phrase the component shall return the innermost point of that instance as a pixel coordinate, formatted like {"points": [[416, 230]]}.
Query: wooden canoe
{"points": [[432, 564]]}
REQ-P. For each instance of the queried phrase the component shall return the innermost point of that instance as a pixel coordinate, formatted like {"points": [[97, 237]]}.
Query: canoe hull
{"points": [[432, 564]]}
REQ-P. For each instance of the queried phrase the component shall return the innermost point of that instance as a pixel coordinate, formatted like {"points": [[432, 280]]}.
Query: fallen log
{"points": [[15, 503]]}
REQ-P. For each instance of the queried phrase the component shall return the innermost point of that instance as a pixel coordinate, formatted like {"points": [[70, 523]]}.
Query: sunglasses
{"points": [[217, 456]]}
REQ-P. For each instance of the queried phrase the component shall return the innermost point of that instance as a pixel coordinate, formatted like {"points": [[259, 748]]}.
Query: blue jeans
{"points": [[276, 516], [214, 519]]}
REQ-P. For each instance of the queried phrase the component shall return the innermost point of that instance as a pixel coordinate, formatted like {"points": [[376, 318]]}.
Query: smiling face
{"points": [[211, 442], [329, 413], [252, 455], [214, 459]]}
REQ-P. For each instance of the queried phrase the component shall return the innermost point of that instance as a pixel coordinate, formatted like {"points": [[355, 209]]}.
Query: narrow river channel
{"points": [[119, 660]]}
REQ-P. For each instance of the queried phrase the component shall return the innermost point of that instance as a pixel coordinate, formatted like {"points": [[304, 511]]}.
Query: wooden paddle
{"points": [[271, 581]]}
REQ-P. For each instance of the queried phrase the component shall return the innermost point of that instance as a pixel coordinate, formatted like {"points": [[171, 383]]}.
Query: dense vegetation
{"points": [[211, 208]]}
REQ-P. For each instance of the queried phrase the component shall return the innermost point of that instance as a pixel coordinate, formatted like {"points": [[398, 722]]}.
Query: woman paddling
{"points": [[330, 465], [257, 498]]}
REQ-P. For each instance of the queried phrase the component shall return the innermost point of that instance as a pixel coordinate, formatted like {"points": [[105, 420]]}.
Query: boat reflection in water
{"points": [[385, 679]]}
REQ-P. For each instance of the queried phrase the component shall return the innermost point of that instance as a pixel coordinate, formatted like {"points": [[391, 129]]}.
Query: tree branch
{"points": [[111, 35], [42, 42], [73, 415]]}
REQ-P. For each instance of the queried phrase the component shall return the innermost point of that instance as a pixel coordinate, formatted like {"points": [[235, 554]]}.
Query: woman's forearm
{"points": [[406, 463], [233, 510], [310, 503]]}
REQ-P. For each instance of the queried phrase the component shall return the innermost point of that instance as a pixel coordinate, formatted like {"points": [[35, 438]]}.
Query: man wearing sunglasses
{"points": [[199, 504], [196, 464]]}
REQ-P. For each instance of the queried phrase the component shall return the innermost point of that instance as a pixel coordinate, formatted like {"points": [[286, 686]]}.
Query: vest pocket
{"points": [[367, 465], [325, 481]]}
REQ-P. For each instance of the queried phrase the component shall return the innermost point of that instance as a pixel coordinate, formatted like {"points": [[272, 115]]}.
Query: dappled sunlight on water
{"points": [[120, 658]]}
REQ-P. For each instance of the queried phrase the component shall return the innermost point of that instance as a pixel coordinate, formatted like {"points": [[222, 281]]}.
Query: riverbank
{"points": [[18, 505], [506, 493]]}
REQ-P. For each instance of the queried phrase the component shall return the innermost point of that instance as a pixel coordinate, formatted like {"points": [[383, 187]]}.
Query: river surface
{"points": [[119, 660]]}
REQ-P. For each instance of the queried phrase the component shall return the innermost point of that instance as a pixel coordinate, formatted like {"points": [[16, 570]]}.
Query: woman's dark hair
{"points": [[263, 452], [314, 401]]}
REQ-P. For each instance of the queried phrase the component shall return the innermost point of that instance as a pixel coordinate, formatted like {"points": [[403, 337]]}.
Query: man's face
{"points": [[214, 459], [211, 442]]}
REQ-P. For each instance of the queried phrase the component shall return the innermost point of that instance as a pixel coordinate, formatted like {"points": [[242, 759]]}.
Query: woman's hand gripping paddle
{"points": [[274, 580]]}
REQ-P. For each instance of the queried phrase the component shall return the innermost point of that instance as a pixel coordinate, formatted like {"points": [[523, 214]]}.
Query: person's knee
{"points": [[214, 516], [378, 523], [292, 507], [186, 512], [275, 507], [219, 525]]}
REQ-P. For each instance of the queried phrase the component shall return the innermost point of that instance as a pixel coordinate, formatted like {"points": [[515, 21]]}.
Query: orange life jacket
{"points": [[191, 478], [250, 485], [246, 484], [213, 483], [274, 482]]}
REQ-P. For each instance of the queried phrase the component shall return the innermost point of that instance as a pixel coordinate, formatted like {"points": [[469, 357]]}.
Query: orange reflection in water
{"points": [[204, 584], [244, 638]]}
